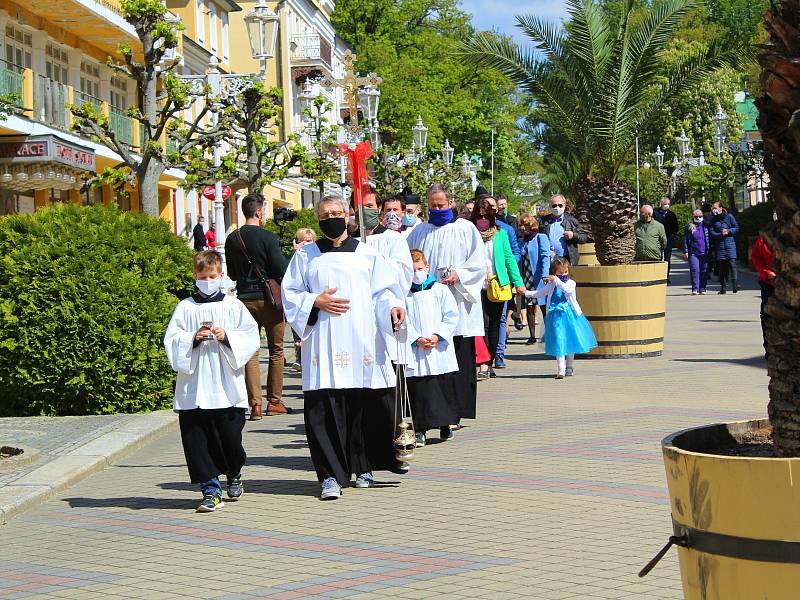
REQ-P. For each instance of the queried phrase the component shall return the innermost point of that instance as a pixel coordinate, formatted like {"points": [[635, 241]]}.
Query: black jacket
{"points": [[668, 219], [199, 236], [570, 223], [264, 249]]}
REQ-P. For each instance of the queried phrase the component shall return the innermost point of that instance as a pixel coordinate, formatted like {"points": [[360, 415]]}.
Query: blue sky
{"points": [[499, 14]]}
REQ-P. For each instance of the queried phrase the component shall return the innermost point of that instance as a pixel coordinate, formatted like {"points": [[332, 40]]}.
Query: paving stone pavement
{"points": [[557, 491]]}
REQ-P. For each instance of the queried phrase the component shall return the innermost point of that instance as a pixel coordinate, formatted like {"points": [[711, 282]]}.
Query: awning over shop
{"points": [[42, 162]]}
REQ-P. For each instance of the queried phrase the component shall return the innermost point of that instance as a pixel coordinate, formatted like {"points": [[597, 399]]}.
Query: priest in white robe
{"points": [[208, 342], [341, 298], [454, 250]]}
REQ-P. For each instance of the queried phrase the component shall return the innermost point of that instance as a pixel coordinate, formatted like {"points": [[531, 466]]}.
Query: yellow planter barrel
{"points": [[587, 255], [626, 305], [740, 516]]}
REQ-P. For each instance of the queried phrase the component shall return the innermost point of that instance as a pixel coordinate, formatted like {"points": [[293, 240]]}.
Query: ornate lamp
{"points": [[262, 30], [683, 144], [447, 153], [420, 133], [369, 97], [659, 154]]}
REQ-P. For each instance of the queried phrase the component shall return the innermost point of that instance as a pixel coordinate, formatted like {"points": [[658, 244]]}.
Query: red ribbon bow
{"points": [[358, 156]]}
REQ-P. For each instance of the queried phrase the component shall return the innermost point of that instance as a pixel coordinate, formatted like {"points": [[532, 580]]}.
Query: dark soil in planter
{"points": [[752, 444], [9, 451]]}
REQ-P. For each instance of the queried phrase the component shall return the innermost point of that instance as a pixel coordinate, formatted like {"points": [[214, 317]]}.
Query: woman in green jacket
{"points": [[499, 263]]}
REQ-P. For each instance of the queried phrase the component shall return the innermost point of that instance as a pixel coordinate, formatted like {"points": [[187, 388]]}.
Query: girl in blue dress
{"points": [[567, 330]]}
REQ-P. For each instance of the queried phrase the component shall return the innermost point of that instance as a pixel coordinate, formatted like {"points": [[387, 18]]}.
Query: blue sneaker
{"points": [[365, 480], [331, 490], [446, 433], [420, 439], [499, 363], [235, 488]]}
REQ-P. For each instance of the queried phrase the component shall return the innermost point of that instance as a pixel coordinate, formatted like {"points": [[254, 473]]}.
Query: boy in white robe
{"points": [[209, 340], [432, 319], [341, 297]]}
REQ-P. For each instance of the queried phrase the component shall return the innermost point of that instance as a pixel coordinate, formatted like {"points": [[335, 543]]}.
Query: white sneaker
{"points": [[365, 480], [569, 372], [560, 376], [331, 490]]}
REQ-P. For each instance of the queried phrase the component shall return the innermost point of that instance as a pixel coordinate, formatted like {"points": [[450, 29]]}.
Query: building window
{"points": [[201, 22], [19, 48], [90, 79], [56, 63], [119, 93], [226, 49], [212, 26]]}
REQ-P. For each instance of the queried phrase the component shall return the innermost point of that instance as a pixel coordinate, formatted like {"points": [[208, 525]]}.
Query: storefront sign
{"points": [[210, 193], [41, 148]]}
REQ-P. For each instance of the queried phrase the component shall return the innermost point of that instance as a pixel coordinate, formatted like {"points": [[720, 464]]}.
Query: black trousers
{"points": [[334, 429], [212, 442], [668, 254], [492, 313], [464, 382], [767, 289], [728, 272], [379, 422]]}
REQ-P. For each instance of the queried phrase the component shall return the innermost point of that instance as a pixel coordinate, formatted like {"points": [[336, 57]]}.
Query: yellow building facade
{"points": [[54, 53]]}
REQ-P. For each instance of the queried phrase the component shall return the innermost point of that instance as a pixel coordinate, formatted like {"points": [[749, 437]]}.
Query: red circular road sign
{"points": [[208, 192]]}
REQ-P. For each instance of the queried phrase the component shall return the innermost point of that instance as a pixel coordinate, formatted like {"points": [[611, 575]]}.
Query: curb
{"points": [[68, 469]]}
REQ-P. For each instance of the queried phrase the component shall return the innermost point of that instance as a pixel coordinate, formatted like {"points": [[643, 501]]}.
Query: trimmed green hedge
{"points": [[684, 214], [85, 297], [305, 218]]}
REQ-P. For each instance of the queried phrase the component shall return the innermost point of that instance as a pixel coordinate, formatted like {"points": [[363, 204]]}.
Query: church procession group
{"points": [[395, 327]]}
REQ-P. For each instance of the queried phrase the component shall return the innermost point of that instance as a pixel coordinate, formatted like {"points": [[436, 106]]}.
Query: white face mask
{"points": [[665, 207], [208, 287], [716, 211], [557, 210], [421, 276], [698, 220]]}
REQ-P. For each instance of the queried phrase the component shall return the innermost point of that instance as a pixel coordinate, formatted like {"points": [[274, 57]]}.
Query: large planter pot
{"points": [[587, 256], [736, 519], [626, 305]]}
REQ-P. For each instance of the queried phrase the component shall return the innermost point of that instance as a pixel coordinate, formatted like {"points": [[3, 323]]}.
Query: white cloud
{"points": [[500, 14]]}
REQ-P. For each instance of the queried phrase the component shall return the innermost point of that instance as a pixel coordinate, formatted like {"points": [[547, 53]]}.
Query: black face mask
{"points": [[333, 228]]}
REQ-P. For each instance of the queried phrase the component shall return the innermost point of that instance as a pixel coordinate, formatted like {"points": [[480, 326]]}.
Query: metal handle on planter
{"points": [[673, 539]]}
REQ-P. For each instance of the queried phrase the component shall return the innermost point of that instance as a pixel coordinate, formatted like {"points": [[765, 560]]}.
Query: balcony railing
{"points": [[81, 98], [10, 79], [121, 124], [50, 103], [310, 48]]}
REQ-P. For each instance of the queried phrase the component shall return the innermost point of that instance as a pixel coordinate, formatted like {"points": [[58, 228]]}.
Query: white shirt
{"points": [[349, 350], [457, 245], [432, 311], [211, 374], [568, 287]]}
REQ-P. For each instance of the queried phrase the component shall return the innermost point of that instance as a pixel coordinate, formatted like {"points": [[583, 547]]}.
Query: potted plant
{"points": [[734, 488], [600, 79]]}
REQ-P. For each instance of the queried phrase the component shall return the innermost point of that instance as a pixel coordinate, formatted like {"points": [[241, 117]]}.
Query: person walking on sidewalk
{"points": [[209, 339], [199, 235], [254, 255], [762, 261], [535, 267], [723, 229], [696, 249], [670, 222], [651, 239]]}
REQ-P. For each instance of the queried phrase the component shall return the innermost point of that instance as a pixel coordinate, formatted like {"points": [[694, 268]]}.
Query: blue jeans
{"points": [[501, 341], [212, 486]]}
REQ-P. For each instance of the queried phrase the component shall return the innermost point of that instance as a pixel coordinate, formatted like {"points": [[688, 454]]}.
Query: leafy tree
{"points": [[600, 81], [411, 45]]}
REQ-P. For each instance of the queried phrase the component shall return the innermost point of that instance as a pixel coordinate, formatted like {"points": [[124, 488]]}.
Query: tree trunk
{"points": [[612, 211], [148, 188], [779, 121], [149, 176]]}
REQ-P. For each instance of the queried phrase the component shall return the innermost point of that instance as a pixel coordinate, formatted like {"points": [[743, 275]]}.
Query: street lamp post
{"points": [[659, 154], [447, 153], [262, 27], [420, 135]]}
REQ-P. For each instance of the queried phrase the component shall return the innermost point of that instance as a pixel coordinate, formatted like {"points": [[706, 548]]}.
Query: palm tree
{"points": [[778, 121], [601, 77]]}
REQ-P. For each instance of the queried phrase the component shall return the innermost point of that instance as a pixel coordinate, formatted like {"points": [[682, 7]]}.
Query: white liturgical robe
{"points": [[392, 246], [210, 374], [432, 311], [459, 246], [342, 351]]}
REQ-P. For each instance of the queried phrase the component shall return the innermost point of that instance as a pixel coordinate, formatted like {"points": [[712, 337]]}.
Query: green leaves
{"points": [[87, 293]]}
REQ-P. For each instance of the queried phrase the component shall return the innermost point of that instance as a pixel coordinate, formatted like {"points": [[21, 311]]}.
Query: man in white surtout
{"points": [[340, 296], [454, 250]]}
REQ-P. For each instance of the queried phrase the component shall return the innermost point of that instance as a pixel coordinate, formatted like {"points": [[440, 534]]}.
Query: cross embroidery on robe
{"points": [[315, 361], [342, 360], [368, 360]]}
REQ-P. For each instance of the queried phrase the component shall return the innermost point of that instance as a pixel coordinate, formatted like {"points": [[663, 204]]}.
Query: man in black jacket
{"points": [[670, 222], [564, 230], [199, 235], [253, 253]]}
